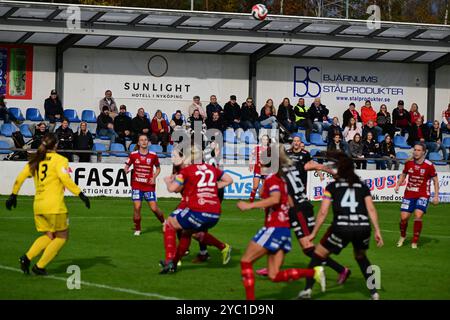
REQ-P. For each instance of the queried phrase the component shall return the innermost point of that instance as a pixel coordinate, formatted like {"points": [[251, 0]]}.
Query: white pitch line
{"points": [[102, 286]]}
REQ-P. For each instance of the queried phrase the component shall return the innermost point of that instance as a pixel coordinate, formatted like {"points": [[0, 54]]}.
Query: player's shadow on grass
{"points": [[423, 241], [215, 262], [83, 263], [289, 291]]}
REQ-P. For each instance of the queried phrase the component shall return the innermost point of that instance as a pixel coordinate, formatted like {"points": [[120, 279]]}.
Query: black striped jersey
{"points": [[349, 206], [296, 188], [300, 159]]}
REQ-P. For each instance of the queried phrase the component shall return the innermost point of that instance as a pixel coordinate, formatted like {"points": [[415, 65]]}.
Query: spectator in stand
{"points": [[286, 116], [336, 144], [40, 131], [249, 116], [215, 122], [177, 121], [414, 113], [370, 127], [335, 128], [4, 115], [371, 149], [268, 115], [53, 110], [196, 105], [140, 125], [64, 135], [108, 101], [232, 112], [213, 106], [446, 119], [83, 141], [318, 113], [356, 148], [351, 130], [302, 117], [196, 118], [367, 114], [160, 130], [434, 141], [401, 118], [387, 152], [105, 125], [122, 126], [351, 112], [418, 133], [384, 121]]}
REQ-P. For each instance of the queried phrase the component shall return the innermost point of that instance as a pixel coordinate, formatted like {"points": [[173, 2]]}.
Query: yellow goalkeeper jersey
{"points": [[49, 180]]}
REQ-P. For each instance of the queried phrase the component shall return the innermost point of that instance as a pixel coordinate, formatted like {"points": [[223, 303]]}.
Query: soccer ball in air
{"points": [[259, 11]]}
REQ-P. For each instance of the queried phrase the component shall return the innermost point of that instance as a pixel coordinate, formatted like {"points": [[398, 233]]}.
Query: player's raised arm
{"points": [[174, 184], [23, 175], [224, 181], [272, 200], [374, 218], [62, 171]]}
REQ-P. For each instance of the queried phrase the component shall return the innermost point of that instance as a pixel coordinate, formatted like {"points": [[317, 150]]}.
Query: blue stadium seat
{"points": [[119, 150], [437, 158], [16, 113], [88, 116], [71, 115], [100, 147], [156, 148], [25, 130], [165, 118], [303, 138], [4, 145], [169, 149], [131, 147], [429, 124], [316, 139], [7, 129], [229, 136], [248, 137], [128, 114], [380, 138], [446, 142], [147, 115], [400, 142], [402, 156], [33, 114]]}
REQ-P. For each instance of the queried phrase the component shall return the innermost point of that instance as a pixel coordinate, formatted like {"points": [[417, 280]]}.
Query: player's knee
{"points": [[359, 255]]}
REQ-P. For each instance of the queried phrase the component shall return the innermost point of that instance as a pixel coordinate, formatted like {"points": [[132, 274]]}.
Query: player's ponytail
{"points": [[345, 167], [48, 142]]}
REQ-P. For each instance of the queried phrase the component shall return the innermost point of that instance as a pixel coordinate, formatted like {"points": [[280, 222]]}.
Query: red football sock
{"points": [[170, 242], [253, 195], [417, 230], [403, 227], [183, 245], [137, 224], [210, 240], [293, 274], [248, 279]]}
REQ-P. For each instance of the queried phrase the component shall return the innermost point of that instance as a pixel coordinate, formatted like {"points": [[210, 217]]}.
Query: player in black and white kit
{"points": [[299, 155], [301, 212], [353, 208]]}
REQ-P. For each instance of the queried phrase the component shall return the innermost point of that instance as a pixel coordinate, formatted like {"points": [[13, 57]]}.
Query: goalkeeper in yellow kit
{"points": [[50, 172]]}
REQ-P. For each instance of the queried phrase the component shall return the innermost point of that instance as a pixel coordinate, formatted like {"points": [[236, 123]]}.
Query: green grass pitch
{"points": [[116, 265]]}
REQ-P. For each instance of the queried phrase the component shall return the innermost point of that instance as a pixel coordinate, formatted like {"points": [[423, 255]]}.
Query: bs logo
{"points": [[306, 82]]}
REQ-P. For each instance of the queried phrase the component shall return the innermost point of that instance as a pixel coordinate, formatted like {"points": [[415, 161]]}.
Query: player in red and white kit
{"points": [[143, 181], [420, 172], [255, 164], [199, 183], [274, 239]]}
